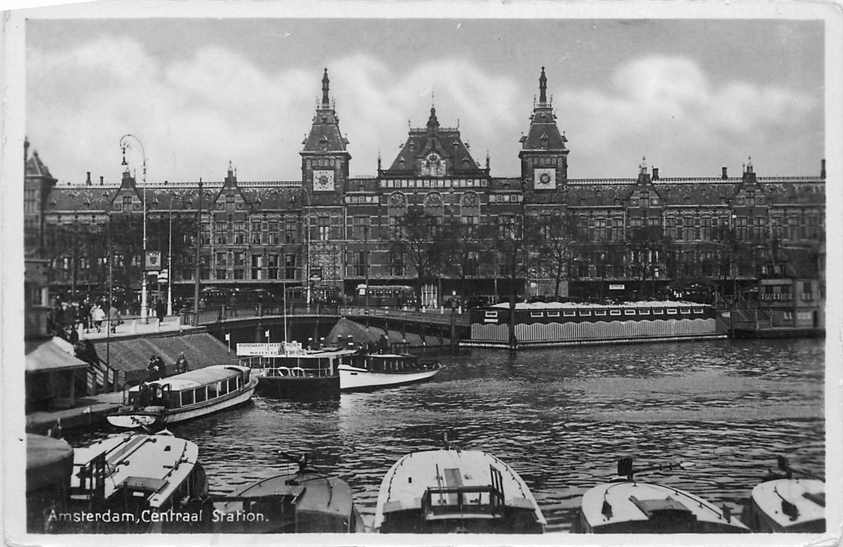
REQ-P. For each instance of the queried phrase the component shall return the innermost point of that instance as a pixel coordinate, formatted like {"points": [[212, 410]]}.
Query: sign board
{"points": [[163, 276], [269, 349], [616, 286], [153, 261]]}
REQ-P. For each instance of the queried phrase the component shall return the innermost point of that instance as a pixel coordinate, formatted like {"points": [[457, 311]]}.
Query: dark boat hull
{"points": [[299, 387]]}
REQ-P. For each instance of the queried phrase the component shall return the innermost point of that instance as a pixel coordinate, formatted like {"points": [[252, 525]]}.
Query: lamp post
{"points": [[125, 143], [170, 262], [196, 271], [307, 248]]}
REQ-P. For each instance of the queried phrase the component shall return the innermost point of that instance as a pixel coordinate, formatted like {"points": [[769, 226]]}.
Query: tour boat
{"points": [[286, 369], [300, 500], [138, 482], [184, 396], [385, 370], [626, 505], [451, 490], [787, 503]]}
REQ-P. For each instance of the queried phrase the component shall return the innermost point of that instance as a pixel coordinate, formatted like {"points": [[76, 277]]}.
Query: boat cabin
{"points": [[283, 360], [194, 387], [446, 491], [138, 475]]}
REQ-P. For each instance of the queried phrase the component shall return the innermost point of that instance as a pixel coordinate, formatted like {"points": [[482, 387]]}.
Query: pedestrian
{"points": [[181, 363], [97, 315], [113, 318], [160, 310]]}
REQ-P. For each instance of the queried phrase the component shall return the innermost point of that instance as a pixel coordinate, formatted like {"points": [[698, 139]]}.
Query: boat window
{"points": [[536, 314], [566, 313], [585, 313], [684, 311], [671, 311], [213, 390], [698, 310], [199, 394], [553, 313], [187, 397], [614, 312], [600, 313], [644, 311], [232, 385], [629, 312], [173, 400], [658, 311], [223, 387], [491, 315]]}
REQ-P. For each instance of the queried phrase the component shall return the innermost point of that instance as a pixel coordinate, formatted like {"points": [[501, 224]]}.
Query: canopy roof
{"points": [[51, 355]]}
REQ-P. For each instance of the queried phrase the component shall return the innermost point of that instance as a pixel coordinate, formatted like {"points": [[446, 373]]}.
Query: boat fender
{"points": [[606, 509]]}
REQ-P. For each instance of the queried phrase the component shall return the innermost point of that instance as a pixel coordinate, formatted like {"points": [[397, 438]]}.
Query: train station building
{"points": [[752, 236]]}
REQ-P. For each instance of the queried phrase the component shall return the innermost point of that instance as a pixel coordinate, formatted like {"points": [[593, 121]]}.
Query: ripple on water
{"points": [[560, 417]]}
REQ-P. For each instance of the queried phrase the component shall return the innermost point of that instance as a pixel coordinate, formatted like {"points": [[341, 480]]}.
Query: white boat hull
{"points": [[354, 378], [139, 419]]}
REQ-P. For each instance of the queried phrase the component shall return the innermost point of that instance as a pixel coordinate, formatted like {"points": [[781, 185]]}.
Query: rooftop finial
{"points": [[433, 122], [643, 164], [542, 88], [325, 83], [749, 164], [123, 163]]}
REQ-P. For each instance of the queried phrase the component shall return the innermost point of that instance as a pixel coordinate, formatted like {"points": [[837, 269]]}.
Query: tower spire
{"points": [[325, 82], [542, 88]]}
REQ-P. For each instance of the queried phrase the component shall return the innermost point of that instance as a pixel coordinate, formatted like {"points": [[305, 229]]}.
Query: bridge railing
{"points": [[213, 314], [438, 315]]}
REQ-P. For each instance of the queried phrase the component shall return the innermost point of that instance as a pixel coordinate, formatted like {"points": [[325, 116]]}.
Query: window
{"points": [[273, 266], [396, 263], [257, 266], [186, 398], [324, 228], [256, 232], [239, 233], [274, 237], [127, 203], [220, 233], [290, 266]]}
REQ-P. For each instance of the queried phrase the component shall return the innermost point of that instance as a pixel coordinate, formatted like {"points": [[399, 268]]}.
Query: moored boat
{"points": [[447, 491], [289, 370], [138, 482], [49, 463], [626, 505], [184, 396], [301, 500], [785, 503], [379, 370]]}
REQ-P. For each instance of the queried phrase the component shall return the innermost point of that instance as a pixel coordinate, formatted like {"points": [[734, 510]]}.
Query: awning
{"points": [[50, 355]]}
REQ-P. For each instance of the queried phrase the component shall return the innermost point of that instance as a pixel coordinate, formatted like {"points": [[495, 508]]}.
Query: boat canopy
{"points": [[579, 305], [200, 377]]}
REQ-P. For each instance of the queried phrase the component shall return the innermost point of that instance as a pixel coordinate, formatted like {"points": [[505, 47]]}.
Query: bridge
{"points": [[445, 322]]}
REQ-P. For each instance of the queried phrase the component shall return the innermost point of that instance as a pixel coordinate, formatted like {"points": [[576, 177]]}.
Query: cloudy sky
{"points": [[689, 95]]}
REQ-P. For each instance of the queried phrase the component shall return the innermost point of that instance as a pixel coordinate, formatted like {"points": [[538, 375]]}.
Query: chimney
{"points": [[87, 178], [655, 173], [723, 174], [822, 168], [100, 180]]}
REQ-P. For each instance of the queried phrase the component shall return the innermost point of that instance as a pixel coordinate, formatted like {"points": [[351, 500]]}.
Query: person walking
{"points": [[113, 318], [160, 310], [97, 316]]}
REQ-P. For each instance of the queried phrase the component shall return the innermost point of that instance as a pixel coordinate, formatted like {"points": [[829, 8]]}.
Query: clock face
{"points": [[323, 180], [544, 179]]}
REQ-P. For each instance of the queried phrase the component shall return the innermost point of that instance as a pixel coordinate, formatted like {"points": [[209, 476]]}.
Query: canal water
{"points": [[560, 417]]}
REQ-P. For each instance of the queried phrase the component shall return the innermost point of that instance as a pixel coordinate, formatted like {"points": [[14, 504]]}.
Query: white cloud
{"points": [[670, 110], [196, 113]]}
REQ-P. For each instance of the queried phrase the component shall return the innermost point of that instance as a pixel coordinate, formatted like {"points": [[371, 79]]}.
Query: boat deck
{"points": [[157, 463], [408, 480], [806, 495]]}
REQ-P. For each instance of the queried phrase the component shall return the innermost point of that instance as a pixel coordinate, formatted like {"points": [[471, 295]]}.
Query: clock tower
{"points": [[324, 163], [544, 155]]}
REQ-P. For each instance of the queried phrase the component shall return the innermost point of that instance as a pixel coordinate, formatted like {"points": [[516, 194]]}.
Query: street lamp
{"points": [[307, 247], [124, 144], [170, 262]]}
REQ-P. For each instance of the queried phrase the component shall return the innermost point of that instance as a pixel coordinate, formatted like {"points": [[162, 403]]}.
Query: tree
{"points": [[650, 252], [461, 249], [558, 237], [516, 241], [418, 239]]}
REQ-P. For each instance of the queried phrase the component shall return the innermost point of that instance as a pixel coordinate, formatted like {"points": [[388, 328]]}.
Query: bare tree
{"points": [[419, 240]]}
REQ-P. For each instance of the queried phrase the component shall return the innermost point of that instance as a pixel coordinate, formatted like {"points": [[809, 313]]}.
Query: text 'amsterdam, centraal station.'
{"points": [[434, 224]]}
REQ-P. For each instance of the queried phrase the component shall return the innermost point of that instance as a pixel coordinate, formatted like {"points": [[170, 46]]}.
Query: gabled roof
{"points": [[445, 142], [80, 198]]}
